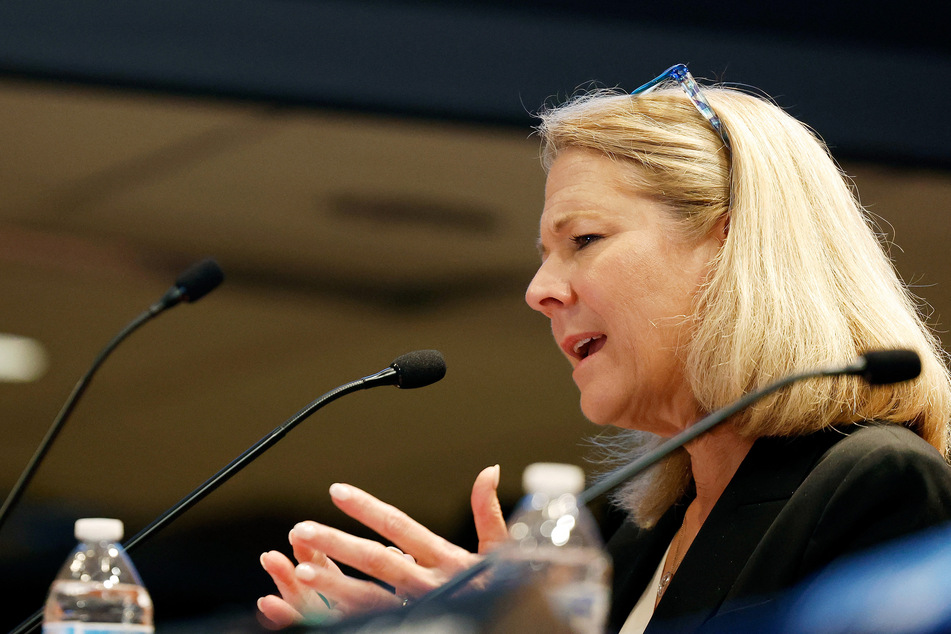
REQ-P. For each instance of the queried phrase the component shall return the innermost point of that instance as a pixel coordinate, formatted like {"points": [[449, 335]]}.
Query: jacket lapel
{"points": [[636, 554], [764, 482]]}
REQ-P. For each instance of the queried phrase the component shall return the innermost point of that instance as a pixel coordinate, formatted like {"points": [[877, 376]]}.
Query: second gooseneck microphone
{"points": [[199, 280]]}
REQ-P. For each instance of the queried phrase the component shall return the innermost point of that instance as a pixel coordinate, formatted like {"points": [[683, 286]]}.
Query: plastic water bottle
{"points": [[556, 543], [98, 589]]}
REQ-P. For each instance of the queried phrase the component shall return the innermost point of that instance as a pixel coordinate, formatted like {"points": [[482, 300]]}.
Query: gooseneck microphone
{"points": [[199, 280], [408, 371], [878, 367], [881, 367], [411, 370]]}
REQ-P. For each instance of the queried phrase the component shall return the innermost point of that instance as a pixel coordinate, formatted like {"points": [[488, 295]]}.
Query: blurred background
{"points": [[366, 175]]}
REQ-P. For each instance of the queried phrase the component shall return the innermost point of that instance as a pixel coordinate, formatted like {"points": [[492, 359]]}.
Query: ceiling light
{"points": [[21, 359]]}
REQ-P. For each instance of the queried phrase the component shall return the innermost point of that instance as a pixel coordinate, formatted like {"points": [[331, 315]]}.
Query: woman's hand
{"points": [[317, 587], [295, 599]]}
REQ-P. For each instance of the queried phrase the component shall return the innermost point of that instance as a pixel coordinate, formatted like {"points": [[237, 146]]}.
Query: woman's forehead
{"points": [[584, 183]]}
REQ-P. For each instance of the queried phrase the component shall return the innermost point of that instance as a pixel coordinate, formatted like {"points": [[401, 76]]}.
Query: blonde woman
{"points": [[698, 244]]}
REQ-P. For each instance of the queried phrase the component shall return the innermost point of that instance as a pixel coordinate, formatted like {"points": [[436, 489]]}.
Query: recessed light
{"points": [[22, 359]]}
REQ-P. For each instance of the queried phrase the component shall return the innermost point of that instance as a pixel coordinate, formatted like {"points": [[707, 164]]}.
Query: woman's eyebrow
{"points": [[567, 218], [558, 225]]}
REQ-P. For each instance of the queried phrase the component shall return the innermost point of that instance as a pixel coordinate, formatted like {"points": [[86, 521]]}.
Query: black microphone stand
{"points": [[17, 491], [199, 280], [387, 376]]}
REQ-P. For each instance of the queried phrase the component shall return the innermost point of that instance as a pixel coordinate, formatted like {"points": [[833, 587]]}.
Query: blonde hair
{"points": [[801, 280]]}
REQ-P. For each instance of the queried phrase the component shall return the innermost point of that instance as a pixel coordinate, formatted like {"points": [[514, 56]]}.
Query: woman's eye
{"points": [[584, 240]]}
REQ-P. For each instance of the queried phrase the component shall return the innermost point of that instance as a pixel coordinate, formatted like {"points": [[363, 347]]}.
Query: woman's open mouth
{"points": [[584, 348]]}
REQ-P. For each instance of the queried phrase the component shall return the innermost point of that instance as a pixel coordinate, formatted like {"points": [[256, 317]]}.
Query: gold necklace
{"points": [[669, 570]]}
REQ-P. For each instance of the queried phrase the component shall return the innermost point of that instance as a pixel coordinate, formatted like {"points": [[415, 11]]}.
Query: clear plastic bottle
{"points": [[555, 542], [98, 589]]}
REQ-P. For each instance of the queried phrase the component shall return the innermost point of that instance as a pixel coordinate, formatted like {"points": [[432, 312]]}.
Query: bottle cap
{"points": [[98, 529], [553, 478]]}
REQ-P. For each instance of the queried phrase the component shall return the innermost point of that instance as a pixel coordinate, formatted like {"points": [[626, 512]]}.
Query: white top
{"points": [[98, 529], [641, 615], [553, 479]]}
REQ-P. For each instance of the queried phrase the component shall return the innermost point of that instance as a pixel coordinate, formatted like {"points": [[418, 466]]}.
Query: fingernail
{"points": [[258, 603], [494, 471], [305, 572], [304, 530], [263, 565], [339, 491]]}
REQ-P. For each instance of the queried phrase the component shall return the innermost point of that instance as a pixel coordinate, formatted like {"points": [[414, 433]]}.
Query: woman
{"points": [[696, 246]]}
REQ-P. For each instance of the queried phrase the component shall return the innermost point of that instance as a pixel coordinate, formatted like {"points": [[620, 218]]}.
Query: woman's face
{"points": [[617, 282]]}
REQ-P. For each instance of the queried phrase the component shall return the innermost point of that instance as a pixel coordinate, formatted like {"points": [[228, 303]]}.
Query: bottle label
{"points": [[97, 628]]}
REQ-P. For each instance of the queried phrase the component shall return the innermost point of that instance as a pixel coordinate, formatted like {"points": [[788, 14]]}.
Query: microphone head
{"points": [[419, 368], [882, 367], [199, 280]]}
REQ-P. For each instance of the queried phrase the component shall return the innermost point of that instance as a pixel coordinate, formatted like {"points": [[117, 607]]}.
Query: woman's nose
{"points": [[549, 289]]}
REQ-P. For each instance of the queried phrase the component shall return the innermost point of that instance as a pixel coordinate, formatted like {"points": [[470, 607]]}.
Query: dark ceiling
{"points": [[848, 69], [917, 27]]}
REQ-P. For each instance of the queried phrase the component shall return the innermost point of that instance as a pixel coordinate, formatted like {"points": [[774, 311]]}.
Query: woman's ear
{"points": [[722, 228]]}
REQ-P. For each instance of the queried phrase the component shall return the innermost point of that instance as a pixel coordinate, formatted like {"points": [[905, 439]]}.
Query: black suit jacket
{"points": [[793, 506]]}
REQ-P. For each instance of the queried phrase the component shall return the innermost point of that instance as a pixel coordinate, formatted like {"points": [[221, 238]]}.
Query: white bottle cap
{"points": [[552, 478], [98, 529]]}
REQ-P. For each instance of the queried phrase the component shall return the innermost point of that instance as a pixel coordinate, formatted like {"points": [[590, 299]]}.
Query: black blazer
{"points": [[793, 506]]}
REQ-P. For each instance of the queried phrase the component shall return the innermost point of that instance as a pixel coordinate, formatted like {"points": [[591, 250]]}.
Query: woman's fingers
{"points": [[352, 595], [277, 612], [428, 561], [281, 570], [296, 598], [402, 592], [489, 521], [429, 549], [370, 557], [405, 556], [301, 538]]}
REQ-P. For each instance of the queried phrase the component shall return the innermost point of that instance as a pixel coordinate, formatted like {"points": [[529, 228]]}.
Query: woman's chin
{"points": [[599, 412], [607, 413]]}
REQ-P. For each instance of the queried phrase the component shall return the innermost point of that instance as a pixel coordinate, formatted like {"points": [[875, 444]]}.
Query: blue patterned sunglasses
{"points": [[682, 76]]}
